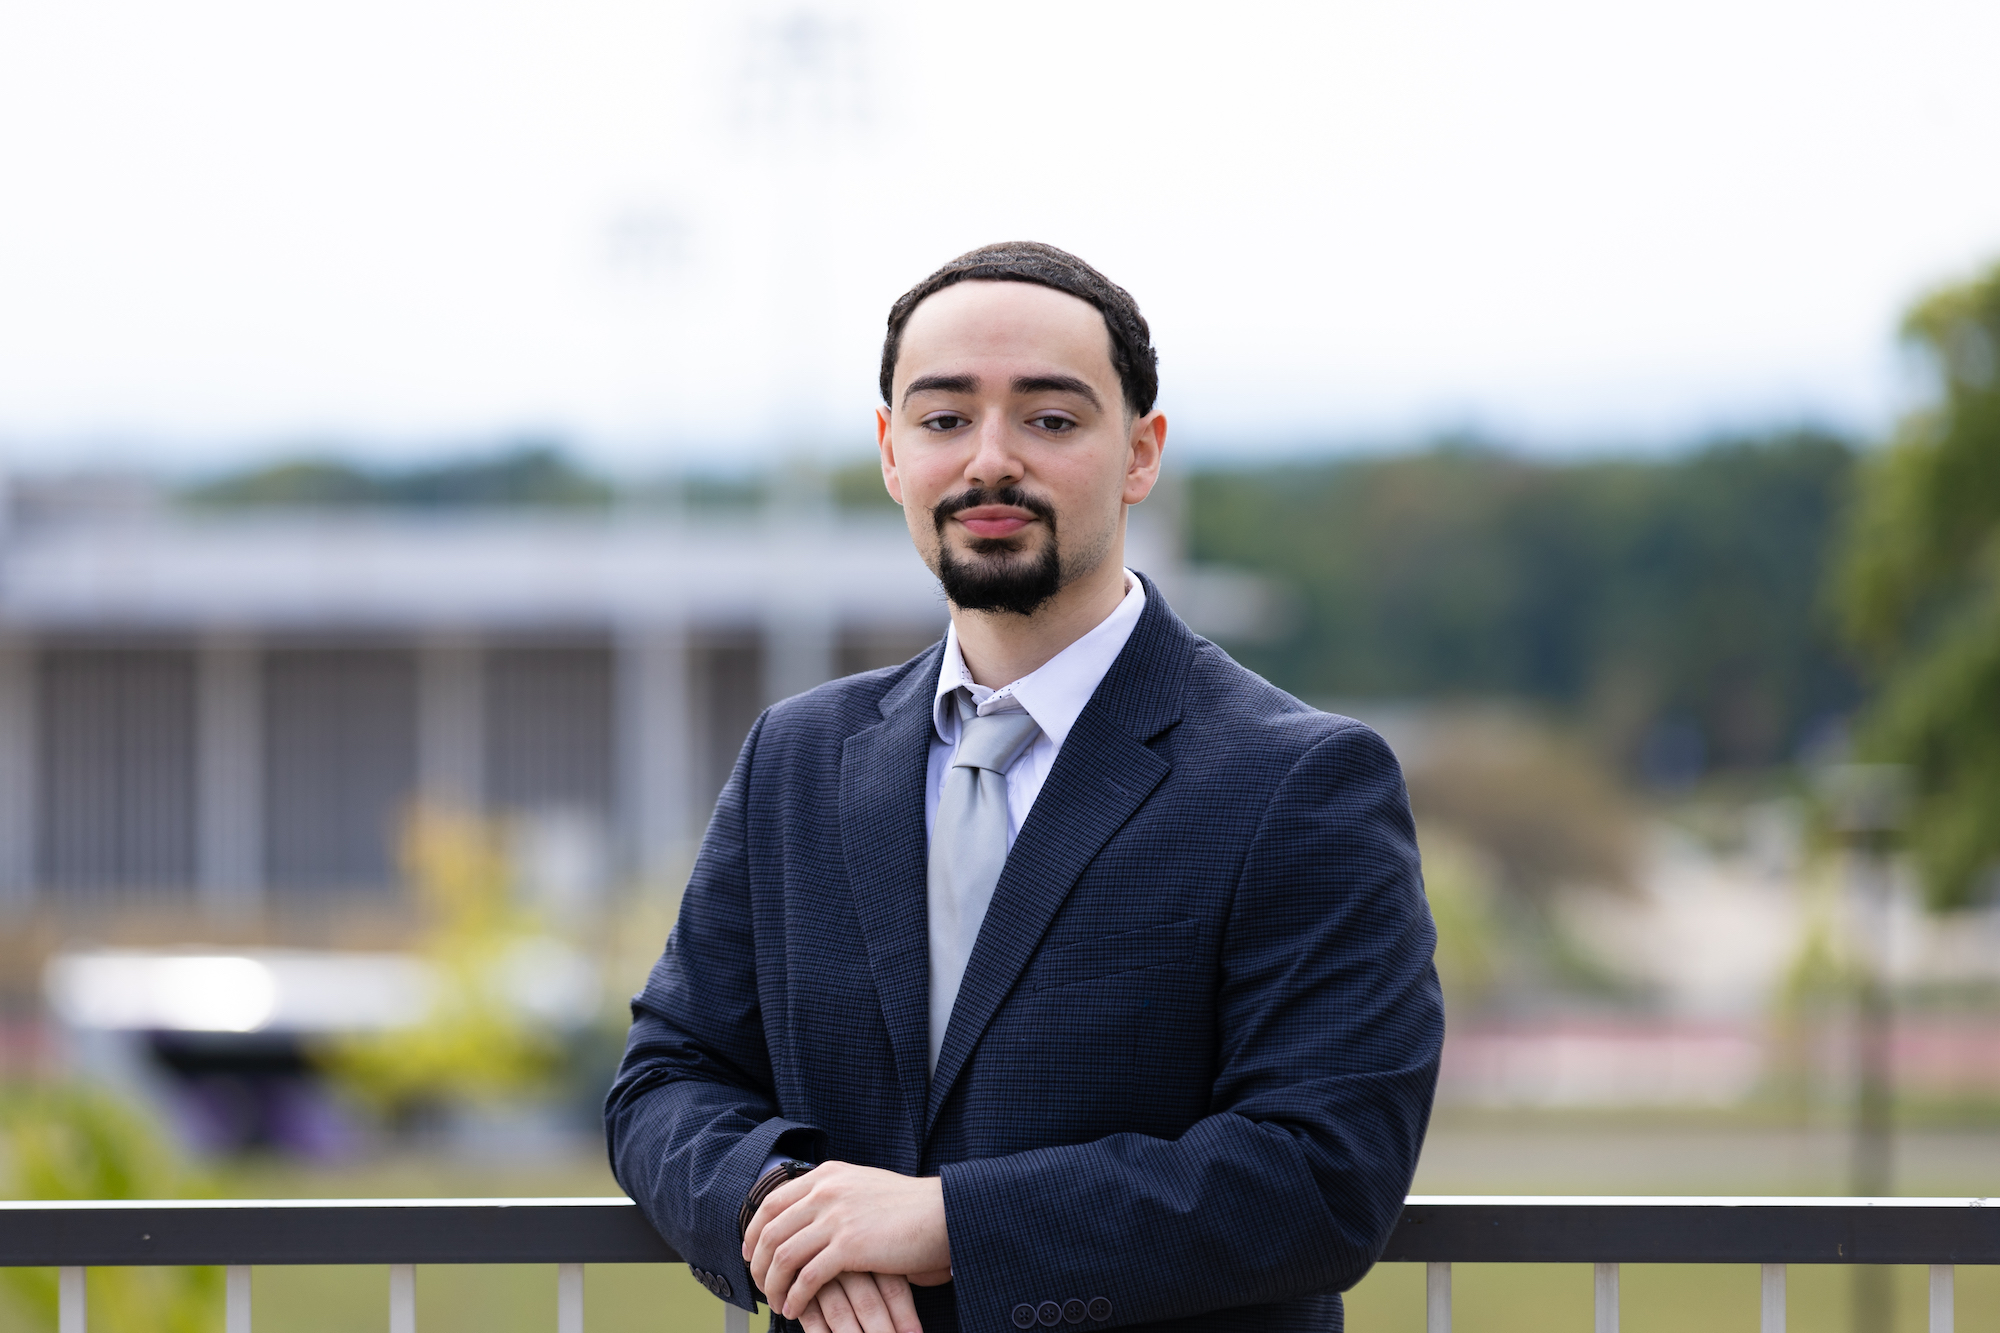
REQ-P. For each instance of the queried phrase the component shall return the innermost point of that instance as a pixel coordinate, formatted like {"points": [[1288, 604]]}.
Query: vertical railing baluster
{"points": [[236, 1299], [1437, 1297], [1941, 1298], [72, 1302], [1773, 1318], [402, 1298], [569, 1298], [735, 1319], [1606, 1285]]}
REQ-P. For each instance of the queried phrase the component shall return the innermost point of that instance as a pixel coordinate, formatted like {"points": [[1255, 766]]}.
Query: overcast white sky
{"points": [[667, 230]]}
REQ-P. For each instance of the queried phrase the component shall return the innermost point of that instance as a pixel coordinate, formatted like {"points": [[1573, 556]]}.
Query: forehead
{"points": [[1017, 322]]}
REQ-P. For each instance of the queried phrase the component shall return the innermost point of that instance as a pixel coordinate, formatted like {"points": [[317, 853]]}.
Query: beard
{"points": [[999, 576]]}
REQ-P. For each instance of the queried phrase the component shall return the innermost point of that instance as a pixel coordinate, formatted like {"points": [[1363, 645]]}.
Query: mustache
{"points": [[1013, 496]]}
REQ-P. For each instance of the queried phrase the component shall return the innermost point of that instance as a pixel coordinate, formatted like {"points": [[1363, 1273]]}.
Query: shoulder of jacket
{"points": [[1235, 705], [846, 704]]}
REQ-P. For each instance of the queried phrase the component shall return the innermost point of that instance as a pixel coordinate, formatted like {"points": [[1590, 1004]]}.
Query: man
{"points": [[1091, 973]]}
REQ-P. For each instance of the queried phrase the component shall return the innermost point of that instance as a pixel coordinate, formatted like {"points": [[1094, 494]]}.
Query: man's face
{"points": [[1009, 445]]}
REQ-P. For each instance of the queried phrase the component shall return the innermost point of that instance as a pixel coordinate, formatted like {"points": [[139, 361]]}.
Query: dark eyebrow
{"points": [[941, 384], [1058, 384]]}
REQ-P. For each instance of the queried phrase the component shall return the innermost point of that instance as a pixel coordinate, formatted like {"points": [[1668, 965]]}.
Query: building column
{"points": [[451, 723], [229, 769], [656, 738], [17, 774], [799, 651]]}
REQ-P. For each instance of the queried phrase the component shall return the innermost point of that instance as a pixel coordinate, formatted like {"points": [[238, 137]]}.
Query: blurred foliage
{"points": [[1538, 804], [1458, 881], [859, 486], [1672, 603], [475, 1043], [62, 1141], [1920, 590], [531, 473]]}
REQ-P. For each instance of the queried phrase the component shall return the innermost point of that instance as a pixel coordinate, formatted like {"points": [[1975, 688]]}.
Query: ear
{"points": [[1142, 464], [886, 444]]}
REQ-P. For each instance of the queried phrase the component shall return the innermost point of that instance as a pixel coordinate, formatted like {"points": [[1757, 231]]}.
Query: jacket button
{"points": [[1099, 1308], [1024, 1316], [1073, 1312], [722, 1287], [1049, 1313]]}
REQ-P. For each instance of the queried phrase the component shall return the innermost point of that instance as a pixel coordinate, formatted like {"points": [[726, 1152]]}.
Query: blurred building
{"points": [[229, 712]]}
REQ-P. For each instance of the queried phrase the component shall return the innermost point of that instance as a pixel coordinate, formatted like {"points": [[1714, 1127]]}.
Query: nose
{"points": [[994, 462]]}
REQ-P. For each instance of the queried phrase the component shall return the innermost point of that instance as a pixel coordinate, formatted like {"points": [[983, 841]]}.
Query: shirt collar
{"points": [[1055, 692]]}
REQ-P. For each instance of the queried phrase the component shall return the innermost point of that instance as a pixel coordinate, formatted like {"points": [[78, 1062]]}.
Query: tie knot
{"points": [[994, 741]]}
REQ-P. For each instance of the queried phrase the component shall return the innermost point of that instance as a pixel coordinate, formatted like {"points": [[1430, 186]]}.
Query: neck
{"points": [[1000, 647]]}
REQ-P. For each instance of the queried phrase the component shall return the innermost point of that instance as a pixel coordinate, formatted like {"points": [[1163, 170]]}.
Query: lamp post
{"points": [[1866, 803]]}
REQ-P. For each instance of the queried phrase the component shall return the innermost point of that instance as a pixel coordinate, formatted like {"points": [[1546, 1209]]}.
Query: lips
{"points": [[994, 520]]}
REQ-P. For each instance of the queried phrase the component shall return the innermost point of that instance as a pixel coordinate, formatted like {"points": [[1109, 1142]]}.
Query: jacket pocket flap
{"points": [[1108, 955]]}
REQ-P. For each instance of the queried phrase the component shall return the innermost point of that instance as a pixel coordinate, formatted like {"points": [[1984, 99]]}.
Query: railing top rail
{"points": [[1676, 1230], [1891, 1202], [327, 1231], [213, 1205], [1452, 1228]]}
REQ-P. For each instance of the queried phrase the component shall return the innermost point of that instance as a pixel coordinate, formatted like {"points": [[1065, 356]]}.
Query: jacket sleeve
{"points": [[1331, 1022], [692, 1114]]}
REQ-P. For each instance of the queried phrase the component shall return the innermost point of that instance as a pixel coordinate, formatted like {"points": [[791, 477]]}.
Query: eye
{"points": [[944, 421], [1055, 425]]}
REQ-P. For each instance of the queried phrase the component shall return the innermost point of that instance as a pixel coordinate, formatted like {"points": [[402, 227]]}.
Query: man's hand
{"points": [[848, 1219], [862, 1303]]}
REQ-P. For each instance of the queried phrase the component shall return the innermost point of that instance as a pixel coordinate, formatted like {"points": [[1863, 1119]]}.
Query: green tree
{"points": [[1919, 587], [530, 473], [1639, 593]]}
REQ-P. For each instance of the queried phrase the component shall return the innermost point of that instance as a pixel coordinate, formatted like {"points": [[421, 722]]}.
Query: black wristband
{"points": [[770, 1180]]}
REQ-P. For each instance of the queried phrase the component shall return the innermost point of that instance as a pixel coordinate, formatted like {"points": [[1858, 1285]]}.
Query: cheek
{"points": [[1089, 492]]}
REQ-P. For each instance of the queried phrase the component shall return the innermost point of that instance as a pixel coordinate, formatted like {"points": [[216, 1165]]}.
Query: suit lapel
{"points": [[1101, 776], [882, 774]]}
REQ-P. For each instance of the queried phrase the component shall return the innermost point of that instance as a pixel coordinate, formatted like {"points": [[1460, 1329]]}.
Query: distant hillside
{"points": [[530, 474], [1674, 605]]}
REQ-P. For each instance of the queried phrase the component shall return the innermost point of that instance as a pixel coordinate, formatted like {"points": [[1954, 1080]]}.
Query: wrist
{"points": [[777, 1170]]}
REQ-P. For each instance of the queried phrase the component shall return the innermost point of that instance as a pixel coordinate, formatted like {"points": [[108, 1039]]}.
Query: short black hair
{"points": [[1132, 354]]}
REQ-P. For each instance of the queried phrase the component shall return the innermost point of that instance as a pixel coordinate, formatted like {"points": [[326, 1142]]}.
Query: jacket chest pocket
{"points": [[1112, 955]]}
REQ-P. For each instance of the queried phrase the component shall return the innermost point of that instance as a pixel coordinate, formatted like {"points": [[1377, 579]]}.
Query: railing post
{"points": [[569, 1298], [1773, 1320], [1941, 1298], [236, 1299], [1606, 1284], [402, 1298], [735, 1319], [72, 1302], [1437, 1297]]}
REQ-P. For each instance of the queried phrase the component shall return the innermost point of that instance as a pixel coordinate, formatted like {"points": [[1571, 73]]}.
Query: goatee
{"points": [[997, 583]]}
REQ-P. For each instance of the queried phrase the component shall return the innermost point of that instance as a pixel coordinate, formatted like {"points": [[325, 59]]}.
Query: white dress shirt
{"points": [[1054, 694]]}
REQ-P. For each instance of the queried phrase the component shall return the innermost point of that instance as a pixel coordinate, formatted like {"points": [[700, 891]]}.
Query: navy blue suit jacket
{"points": [[1192, 1059]]}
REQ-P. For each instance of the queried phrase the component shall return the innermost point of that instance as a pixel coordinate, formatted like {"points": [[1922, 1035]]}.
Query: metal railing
{"points": [[1435, 1230]]}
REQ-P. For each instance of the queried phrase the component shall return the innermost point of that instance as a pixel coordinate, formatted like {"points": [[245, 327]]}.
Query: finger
{"points": [[774, 1206], [823, 1267], [901, 1301], [783, 1271], [781, 1230], [936, 1278], [870, 1311], [776, 1202], [812, 1321], [833, 1304]]}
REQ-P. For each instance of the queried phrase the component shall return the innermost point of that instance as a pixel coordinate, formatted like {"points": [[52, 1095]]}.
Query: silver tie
{"points": [[969, 846]]}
